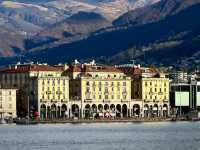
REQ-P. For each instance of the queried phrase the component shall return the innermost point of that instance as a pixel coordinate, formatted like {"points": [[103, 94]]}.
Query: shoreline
{"points": [[98, 121]]}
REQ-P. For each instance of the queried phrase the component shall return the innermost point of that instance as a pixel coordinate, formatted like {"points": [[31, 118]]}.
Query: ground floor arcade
{"points": [[103, 110]]}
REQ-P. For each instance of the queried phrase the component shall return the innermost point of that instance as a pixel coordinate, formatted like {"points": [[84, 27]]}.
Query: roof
{"points": [[136, 70], [131, 70], [28, 68], [90, 68]]}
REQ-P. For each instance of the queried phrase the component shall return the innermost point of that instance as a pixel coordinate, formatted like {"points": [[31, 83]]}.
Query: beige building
{"points": [[98, 91], [150, 91], [8, 103], [52, 94], [22, 77]]}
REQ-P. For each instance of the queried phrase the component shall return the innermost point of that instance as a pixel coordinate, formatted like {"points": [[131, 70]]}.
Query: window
{"points": [[10, 92], [106, 96], [112, 84], [112, 96], [165, 89], [87, 89], [99, 96], [124, 83], [150, 83], [87, 83], [106, 83], [124, 96], [53, 83], [118, 83], [112, 88], [118, 89], [106, 90], [155, 90]]}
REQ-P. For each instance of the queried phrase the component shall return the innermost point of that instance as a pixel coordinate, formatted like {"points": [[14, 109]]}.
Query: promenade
{"points": [[128, 120]]}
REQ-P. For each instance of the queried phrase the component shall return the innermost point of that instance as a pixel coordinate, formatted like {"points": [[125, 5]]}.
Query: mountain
{"points": [[11, 42], [76, 27], [155, 12], [172, 40], [39, 22]]}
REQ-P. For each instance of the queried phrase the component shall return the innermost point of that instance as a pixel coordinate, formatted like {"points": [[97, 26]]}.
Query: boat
{"points": [[26, 122]]}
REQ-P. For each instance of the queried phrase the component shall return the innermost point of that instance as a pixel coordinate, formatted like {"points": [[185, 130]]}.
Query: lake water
{"points": [[99, 136]]}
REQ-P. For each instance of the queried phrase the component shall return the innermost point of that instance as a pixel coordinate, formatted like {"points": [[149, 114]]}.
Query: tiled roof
{"points": [[87, 68], [28, 68]]}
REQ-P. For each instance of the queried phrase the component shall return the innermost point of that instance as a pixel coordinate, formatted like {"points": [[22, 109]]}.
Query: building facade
{"points": [[150, 91], [99, 91], [52, 94], [8, 103], [185, 97], [22, 78]]}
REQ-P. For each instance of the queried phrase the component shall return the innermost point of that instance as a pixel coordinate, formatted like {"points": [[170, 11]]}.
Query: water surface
{"points": [[99, 136]]}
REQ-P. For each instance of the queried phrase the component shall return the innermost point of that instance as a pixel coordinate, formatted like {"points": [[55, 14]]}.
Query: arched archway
{"points": [[136, 110], [146, 110], [124, 111], [53, 111], [112, 108], [58, 112], [106, 108], [118, 110], [94, 108], [87, 111], [100, 108], [64, 113], [112, 111], [75, 110], [48, 112], [165, 110], [94, 111], [107, 111], [43, 111], [155, 110]]}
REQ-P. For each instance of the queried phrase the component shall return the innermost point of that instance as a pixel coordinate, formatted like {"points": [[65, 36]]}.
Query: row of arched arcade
{"points": [[95, 111]]}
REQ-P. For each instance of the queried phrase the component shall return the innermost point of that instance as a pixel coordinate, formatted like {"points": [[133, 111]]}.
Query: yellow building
{"points": [[99, 91], [8, 103], [150, 91], [20, 77], [52, 94]]}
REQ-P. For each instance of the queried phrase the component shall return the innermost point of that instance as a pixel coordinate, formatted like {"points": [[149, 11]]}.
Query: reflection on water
{"points": [[114, 136]]}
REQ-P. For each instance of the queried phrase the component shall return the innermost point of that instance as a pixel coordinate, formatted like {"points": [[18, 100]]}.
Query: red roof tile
{"points": [[28, 68]]}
